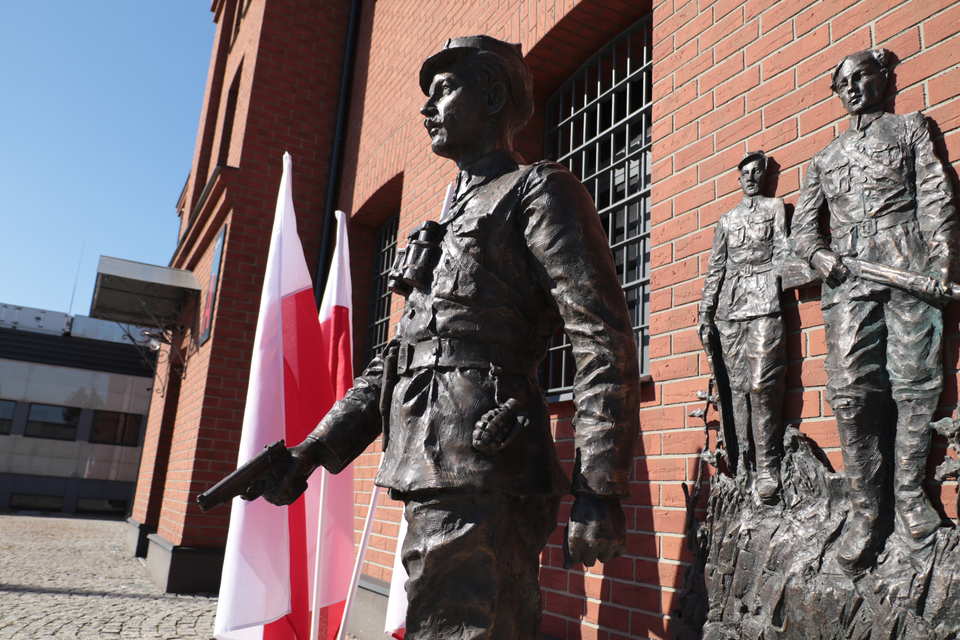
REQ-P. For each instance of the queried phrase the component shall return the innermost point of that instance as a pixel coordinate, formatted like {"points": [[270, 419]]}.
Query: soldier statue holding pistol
{"points": [[741, 308], [518, 253], [892, 222]]}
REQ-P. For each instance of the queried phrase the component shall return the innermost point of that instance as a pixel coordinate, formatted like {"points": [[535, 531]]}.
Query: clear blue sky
{"points": [[99, 106]]}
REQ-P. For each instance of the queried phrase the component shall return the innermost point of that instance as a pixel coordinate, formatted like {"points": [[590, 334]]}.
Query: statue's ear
{"points": [[496, 97]]}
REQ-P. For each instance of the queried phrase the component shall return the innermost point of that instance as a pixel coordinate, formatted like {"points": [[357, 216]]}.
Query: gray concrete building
{"points": [[74, 393]]}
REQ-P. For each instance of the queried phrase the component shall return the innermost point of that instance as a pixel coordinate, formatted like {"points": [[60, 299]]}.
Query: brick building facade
{"points": [[702, 82]]}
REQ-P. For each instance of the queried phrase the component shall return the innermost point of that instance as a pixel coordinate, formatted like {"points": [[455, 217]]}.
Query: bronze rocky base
{"points": [[765, 572]]}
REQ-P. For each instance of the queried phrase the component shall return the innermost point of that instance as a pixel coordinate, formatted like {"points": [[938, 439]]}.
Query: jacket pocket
{"points": [[836, 180]]}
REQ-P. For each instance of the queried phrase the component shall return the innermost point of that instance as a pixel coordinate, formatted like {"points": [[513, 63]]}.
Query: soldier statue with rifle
{"points": [[885, 269], [740, 314]]}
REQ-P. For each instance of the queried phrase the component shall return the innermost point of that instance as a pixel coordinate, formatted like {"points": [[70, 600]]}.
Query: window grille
{"points": [[378, 331], [598, 126]]}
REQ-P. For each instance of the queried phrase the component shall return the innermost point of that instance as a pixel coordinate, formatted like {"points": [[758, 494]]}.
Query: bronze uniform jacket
{"points": [[743, 280], [888, 196], [524, 250]]}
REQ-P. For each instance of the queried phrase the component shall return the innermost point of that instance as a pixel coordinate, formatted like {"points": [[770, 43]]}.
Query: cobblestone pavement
{"points": [[72, 578]]}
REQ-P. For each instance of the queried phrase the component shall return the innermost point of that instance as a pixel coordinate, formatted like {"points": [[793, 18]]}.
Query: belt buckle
{"points": [[868, 227]]}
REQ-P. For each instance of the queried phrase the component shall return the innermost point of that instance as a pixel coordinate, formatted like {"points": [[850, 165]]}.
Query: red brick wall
{"points": [[287, 56]]}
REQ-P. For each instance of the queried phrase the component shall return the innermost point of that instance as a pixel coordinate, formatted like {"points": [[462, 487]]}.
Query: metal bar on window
{"points": [[598, 125], [378, 329]]}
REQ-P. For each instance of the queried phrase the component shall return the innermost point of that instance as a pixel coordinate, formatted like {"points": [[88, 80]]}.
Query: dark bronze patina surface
{"points": [[889, 201], [858, 554], [740, 312], [519, 252]]}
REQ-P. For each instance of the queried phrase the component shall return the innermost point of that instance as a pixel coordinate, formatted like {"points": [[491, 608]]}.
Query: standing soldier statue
{"points": [[891, 218], [741, 305], [519, 252]]}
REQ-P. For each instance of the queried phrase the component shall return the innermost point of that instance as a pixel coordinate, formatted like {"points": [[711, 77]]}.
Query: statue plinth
{"points": [[770, 571]]}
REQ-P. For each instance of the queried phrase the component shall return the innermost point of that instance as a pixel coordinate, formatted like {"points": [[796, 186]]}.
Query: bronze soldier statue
{"points": [[890, 207], [519, 252], [741, 305]]}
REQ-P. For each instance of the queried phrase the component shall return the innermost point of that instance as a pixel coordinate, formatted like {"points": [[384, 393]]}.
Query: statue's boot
{"points": [[911, 450], [864, 470], [767, 443]]}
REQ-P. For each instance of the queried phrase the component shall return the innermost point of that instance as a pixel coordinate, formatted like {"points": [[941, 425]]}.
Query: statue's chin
{"points": [[441, 149]]}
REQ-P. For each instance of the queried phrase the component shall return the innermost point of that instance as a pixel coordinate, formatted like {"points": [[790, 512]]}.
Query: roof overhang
{"points": [[143, 294]]}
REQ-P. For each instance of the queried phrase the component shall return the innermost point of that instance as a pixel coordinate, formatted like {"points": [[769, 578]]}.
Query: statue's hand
{"points": [[597, 530], [288, 486], [830, 267], [705, 329]]}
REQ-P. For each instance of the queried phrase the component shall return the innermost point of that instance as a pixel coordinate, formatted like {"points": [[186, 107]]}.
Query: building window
{"points": [[598, 126], [229, 112], [52, 421], [114, 427], [6, 416], [378, 330]]}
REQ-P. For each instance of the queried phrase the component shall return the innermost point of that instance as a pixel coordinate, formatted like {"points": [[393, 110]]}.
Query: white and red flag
{"points": [[299, 368], [396, 621]]}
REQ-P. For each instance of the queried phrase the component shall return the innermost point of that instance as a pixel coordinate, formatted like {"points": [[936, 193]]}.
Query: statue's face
{"points": [[751, 177], [861, 85], [454, 115]]}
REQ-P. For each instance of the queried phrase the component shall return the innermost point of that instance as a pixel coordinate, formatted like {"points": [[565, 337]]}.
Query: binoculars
{"points": [[413, 266]]}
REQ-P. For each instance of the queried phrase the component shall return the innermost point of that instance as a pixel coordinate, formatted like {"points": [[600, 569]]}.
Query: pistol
{"points": [[251, 478]]}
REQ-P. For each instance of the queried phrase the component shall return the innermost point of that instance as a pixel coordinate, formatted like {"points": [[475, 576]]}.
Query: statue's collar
{"points": [[861, 121], [483, 169], [491, 165]]}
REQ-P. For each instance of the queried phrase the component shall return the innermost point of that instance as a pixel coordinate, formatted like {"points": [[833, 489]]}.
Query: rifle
{"points": [[729, 442], [916, 283], [251, 478]]}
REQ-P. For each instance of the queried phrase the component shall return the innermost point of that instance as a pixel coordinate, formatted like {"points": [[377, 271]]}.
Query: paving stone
{"points": [[72, 578]]}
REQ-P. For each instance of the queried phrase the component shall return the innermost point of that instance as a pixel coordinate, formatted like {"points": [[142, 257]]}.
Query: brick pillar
{"points": [[145, 514]]}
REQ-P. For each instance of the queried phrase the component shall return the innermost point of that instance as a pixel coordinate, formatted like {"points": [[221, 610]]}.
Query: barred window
{"points": [[378, 330], [598, 126]]}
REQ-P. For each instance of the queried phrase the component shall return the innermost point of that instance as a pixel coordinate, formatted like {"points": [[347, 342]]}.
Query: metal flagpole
{"points": [[358, 563], [315, 596]]}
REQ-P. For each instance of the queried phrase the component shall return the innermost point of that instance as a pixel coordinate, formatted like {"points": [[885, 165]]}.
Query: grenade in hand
{"points": [[498, 427]]}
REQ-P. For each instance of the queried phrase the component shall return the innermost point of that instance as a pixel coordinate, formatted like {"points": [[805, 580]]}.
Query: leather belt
{"points": [[870, 226], [454, 353], [748, 269]]}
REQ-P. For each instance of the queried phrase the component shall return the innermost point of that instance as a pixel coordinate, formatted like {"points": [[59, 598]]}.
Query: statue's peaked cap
{"points": [[510, 56], [754, 155]]}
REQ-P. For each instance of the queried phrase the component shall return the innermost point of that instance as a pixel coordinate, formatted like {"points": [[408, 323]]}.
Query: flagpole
{"points": [[358, 563], [315, 596]]}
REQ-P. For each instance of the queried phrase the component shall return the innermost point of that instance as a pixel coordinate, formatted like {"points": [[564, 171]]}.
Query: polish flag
{"points": [[299, 368], [396, 621]]}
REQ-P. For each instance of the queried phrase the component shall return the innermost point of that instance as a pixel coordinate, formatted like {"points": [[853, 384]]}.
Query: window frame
{"points": [[378, 324], [31, 421], [598, 124], [129, 423]]}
